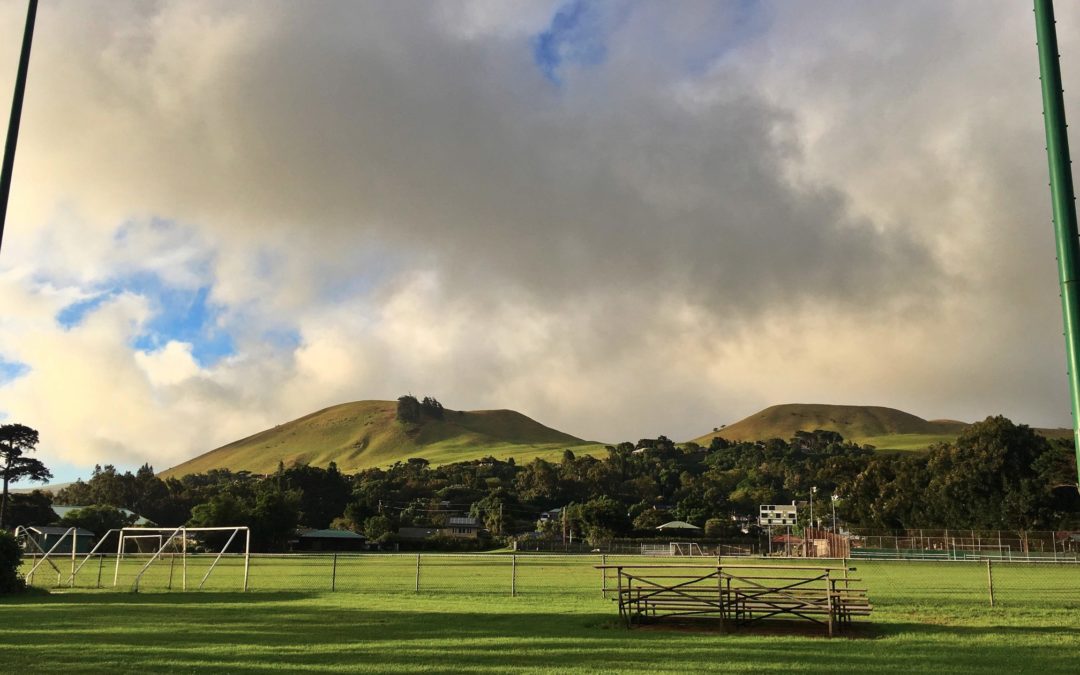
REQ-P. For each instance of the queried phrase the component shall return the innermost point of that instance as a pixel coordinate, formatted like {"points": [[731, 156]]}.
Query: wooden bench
{"points": [[739, 595]]}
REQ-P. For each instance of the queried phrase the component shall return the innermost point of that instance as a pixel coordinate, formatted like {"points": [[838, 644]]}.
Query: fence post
{"points": [[603, 575], [990, 580], [1053, 542], [333, 575], [513, 575], [417, 572], [100, 562]]}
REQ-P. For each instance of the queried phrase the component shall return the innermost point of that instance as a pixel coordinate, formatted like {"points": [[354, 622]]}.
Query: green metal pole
{"points": [[1063, 198], [8, 166]]}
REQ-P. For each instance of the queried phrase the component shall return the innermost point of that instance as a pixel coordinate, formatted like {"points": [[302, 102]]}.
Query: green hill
{"points": [[884, 428], [364, 434]]}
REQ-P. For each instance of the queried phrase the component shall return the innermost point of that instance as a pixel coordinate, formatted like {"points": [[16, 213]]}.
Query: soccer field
{"points": [[927, 617]]}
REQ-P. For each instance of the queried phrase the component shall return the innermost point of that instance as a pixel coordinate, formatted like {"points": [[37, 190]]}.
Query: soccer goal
{"points": [[182, 554], [685, 548]]}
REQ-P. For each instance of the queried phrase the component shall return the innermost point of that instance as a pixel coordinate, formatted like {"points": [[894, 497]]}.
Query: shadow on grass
{"points": [[237, 632]]}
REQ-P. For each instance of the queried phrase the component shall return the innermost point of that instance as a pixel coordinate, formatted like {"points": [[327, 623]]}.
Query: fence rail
{"points": [[998, 583]]}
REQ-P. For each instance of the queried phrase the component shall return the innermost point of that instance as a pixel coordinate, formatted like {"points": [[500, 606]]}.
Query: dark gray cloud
{"points": [[691, 212]]}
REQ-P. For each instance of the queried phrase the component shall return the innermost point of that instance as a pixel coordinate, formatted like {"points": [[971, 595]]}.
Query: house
{"points": [[329, 540], [44, 537], [553, 514], [461, 527]]}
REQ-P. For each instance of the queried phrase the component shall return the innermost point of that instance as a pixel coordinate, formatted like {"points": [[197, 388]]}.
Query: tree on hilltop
{"points": [[408, 409], [432, 408]]}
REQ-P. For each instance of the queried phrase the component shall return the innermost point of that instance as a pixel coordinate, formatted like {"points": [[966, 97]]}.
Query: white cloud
{"points": [[838, 202]]}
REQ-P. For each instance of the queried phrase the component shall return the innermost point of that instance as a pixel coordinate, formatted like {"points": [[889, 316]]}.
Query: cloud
{"points": [[623, 219]]}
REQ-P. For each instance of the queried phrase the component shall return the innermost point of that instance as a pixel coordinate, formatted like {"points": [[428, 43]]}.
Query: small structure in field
{"points": [[679, 527]]}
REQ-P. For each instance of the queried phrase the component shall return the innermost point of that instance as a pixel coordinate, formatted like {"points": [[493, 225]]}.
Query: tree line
{"points": [[996, 475]]}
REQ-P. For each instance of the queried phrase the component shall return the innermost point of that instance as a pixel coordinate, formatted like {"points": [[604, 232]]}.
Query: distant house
{"points": [[553, 514], [461, 527], [329, 540], [47, 536]]}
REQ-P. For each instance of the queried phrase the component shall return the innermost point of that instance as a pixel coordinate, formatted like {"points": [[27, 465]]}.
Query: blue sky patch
{"points": [[11, 370], [184, 315], [575, 36], [180, 314], [73, 314]]}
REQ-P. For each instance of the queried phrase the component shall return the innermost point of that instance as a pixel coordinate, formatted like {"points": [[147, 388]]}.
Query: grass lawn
{"points": [[928, 617]]}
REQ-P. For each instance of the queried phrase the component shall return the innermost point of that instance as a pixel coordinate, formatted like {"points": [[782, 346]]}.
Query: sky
{"points": [[622, 219]]}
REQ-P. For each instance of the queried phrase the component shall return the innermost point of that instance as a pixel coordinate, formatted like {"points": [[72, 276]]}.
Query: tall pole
{"points": [[16, 115], [1062, 198]]}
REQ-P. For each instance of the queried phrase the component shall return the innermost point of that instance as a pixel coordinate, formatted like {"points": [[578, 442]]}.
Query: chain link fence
{"points": [[960, 544]]}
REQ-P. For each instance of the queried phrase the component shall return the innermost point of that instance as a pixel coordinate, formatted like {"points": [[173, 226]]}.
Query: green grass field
{"points": [[928, 617]]}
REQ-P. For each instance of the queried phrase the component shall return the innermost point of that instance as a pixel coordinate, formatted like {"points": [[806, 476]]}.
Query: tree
{"points": [[408, 409], [275, 515], [604, 518], [377, 528], [223, 510], [432, 408], [15, 441], [324, 493], [98, 519], [34, 508], [989, 478]]}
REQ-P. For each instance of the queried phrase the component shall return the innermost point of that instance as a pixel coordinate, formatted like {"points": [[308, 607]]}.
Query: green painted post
{"points": [[8, 167], [1062, 197]]}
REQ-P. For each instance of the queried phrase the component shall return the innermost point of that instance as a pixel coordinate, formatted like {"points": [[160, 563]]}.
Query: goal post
{"points": [[175, 542]]}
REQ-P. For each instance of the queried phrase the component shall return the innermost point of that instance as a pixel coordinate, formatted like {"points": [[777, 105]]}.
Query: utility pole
{"points": [[16, 115], [1062, 198]]}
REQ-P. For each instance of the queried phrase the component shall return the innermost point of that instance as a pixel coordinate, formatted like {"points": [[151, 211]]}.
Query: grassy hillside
{"points": [[886, 429], [851, 421], [364, 434]]}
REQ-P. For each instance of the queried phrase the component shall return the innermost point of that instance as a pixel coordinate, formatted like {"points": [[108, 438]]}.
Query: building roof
{"points": [[417, 532], [330, 534], [62, 511], [462, 521], [677, 525], [54, 529]]}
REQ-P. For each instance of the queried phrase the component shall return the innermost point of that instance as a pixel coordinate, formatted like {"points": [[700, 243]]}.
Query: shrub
{"points": [[10, 558]]}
